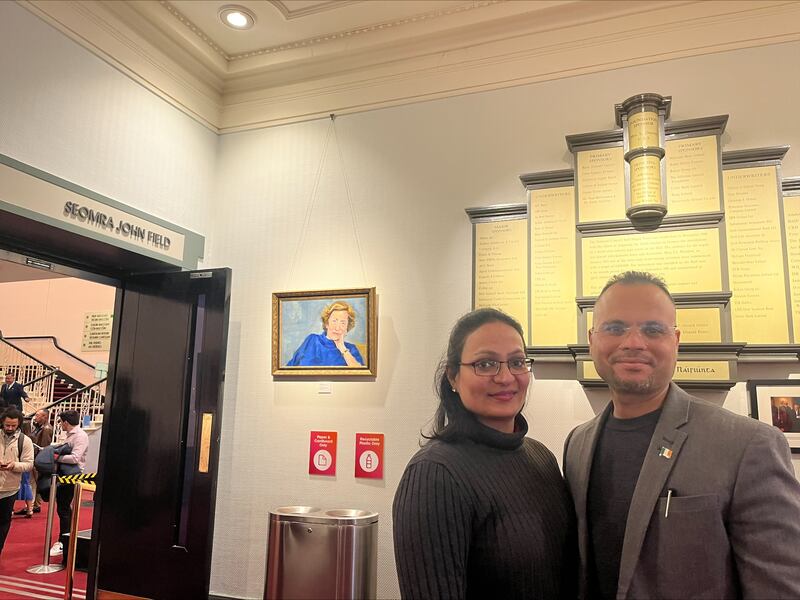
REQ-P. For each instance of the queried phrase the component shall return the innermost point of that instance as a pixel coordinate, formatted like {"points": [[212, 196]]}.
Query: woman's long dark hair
{"points": [[452, 419]]}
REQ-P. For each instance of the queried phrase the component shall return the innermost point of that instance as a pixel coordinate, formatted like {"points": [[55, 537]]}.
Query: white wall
{"points": [[411, 171], [67, 112]]}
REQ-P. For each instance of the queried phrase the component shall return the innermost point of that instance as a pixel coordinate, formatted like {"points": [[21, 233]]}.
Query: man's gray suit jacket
{"points": [[733, 528]]}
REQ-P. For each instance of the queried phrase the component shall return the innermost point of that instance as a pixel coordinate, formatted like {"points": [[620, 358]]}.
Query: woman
{"points": [[482, 511], [329, 348]]}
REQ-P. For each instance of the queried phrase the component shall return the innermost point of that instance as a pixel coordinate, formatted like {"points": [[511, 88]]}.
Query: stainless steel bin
{"points": [[316, 554]]}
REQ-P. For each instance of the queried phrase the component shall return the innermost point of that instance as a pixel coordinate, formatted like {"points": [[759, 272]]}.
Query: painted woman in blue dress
{"points": [[328, 349]]}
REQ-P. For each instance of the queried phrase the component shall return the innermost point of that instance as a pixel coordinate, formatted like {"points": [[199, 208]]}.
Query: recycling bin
{"points": [[316, 554]]}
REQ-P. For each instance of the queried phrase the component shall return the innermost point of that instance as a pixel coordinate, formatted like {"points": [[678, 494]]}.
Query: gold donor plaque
{"points": [[643, 130], [554, 318], [791, 211], [693, 176], [642, 120], [501, 267], [645, 180], [601, 185], [759, 312]]}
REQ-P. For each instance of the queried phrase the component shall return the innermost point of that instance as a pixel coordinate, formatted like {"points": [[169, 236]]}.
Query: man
{"points": [[16, 457], [675, 497], [12, 393], [77, 438], [41, 433], [784, 418]]}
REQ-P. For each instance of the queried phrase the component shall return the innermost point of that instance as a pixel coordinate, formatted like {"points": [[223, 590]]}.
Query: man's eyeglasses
{"points": [[652, 330], [490, 368]]}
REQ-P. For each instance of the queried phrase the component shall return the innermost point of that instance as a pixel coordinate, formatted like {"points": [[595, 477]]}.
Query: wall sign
{"points": [[43, 197], [369, 455], [97, 329], [322, 453]]}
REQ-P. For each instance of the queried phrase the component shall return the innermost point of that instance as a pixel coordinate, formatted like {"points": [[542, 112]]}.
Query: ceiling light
{"points": [[237, 17]]}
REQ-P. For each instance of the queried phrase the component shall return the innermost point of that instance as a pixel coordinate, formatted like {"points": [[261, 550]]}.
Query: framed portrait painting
{"points": [[777, 403], [327, 332]]}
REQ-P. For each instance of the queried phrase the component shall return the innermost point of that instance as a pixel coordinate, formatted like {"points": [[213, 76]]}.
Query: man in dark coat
{"points": [[12, 393]]}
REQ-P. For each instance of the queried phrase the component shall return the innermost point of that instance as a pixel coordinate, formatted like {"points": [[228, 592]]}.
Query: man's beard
{"points": [[631, 387]]}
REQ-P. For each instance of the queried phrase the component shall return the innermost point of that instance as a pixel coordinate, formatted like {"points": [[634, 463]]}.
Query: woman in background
{"points": [[482, 511]]}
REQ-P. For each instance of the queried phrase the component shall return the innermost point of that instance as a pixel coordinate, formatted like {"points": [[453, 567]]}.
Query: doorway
{"points": [[154, 506]]}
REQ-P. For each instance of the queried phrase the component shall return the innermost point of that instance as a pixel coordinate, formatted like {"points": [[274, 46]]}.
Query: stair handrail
{"points": [[45, 376], [33, 358], [55, 343], [69, 396]]}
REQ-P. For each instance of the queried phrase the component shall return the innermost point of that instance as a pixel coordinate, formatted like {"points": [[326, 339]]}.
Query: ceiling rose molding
{"points": [[501, 46], [316, 9]]}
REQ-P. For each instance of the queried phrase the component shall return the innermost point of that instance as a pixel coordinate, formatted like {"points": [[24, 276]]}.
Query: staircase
{"points": [[63, 386]]}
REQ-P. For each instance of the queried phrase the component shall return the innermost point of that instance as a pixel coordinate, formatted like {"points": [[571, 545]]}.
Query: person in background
{"points": [[16, 457], [41, 433], [482, 510], [77, 438], [784, 418], [675, 497], [12, 393]]}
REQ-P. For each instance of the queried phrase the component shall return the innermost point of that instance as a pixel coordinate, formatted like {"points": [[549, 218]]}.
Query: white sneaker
{"points": [[57, 549]]}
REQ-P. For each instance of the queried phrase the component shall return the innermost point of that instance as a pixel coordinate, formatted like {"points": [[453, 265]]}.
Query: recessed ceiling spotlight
{"points": [[236, 16]]}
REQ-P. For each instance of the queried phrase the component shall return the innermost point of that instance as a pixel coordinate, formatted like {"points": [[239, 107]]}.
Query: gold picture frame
{"points": [[330, 333]]}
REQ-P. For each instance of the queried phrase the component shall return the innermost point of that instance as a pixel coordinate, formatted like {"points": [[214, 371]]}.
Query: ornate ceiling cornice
{"points": [[328, 37], [504, 44]]}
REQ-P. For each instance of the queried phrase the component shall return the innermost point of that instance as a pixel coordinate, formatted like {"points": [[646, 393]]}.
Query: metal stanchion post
{"points": [[73, 541], [46, 567]]}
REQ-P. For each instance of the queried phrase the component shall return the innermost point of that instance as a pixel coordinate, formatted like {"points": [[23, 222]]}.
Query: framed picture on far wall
{"points": [[331, 333], [776, 402]]}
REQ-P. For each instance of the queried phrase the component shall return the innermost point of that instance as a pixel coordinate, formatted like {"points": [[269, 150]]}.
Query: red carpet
{"points": [[24, 548]]}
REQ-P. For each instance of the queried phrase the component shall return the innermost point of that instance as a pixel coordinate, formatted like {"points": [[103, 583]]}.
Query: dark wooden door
{"points": [[154, 507]]}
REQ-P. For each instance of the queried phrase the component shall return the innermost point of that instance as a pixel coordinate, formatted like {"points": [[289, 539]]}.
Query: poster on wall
{"points": [[776, 402], [328, 332]]}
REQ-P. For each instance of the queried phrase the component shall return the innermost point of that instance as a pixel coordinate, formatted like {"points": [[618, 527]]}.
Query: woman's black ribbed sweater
{"points": [[488, 516]]}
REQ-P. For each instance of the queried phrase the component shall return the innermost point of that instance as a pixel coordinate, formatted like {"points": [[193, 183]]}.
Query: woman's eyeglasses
{"points": [[490, 368]]}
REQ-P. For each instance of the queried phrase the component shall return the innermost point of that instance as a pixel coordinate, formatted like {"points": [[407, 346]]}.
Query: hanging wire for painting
{"points": [[349, 200], [313, 199]]}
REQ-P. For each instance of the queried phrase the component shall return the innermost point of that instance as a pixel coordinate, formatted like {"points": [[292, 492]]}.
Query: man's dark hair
{"points": [[637, 278], [451, 418], [70, 416], [11, 412]]}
